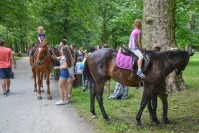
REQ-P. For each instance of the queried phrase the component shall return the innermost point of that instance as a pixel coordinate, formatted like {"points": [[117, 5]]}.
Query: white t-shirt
{"points": [[78, 67]]}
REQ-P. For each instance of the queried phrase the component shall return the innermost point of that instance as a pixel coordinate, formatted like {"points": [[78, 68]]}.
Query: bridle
{"points": [[45, 55]]}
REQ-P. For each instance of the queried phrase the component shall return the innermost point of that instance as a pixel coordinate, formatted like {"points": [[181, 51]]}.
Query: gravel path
{"points": [[21, 112]]}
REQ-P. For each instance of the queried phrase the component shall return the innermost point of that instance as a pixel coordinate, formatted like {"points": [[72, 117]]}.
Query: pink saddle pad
{"points": [[124, 61]]}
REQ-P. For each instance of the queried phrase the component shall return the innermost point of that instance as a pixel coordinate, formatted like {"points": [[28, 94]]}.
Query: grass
{"points": [[183, 110]]}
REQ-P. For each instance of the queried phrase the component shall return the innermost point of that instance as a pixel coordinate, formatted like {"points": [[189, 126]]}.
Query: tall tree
{"points": [[159, 33]]}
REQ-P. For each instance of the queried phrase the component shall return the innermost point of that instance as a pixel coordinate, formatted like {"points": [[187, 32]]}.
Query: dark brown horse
{"points": [[101, 65], [42, 63]]}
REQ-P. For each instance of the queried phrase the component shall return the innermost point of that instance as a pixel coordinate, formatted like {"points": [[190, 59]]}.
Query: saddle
{"points": [[127, 52]]}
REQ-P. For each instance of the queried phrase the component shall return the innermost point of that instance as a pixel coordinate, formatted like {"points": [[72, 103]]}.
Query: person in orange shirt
{"points": [[6, 57]]}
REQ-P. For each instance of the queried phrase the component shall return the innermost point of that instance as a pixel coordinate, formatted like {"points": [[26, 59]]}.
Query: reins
{"points": [[45, 57]]}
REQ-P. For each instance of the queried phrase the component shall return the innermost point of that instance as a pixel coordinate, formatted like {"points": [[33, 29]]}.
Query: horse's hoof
{"points": [[42, 90], [39, 97], [166, 121], [157, 122], [139, 124], [50, 98], [94, 116], [108, 121]]}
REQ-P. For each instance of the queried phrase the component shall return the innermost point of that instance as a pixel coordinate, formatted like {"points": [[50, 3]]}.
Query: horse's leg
{"points": [[42, 87], [163, 96], [39, 85], [149, 106], [145, 99], [35, 78], [165, 108], [99, 90], [154, 105], [48, 84], [92, 99]]}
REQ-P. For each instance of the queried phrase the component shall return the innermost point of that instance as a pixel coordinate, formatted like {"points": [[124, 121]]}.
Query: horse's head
{"points": [[183, 64], [178, 59], [41, 53], [56, 51]]}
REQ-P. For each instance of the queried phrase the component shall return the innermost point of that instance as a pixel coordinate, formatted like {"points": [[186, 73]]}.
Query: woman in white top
{"points": [[65, 63]]}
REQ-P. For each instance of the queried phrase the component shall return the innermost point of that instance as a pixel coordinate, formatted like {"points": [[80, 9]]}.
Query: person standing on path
{"points": [[6, 57], [65, 64]]}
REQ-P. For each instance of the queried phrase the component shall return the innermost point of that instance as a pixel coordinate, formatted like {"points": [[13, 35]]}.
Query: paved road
{"points": [[21, 112]]}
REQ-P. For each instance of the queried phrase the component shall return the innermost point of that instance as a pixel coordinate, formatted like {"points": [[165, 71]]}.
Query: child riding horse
{"points": [[101, 65], [42, 63]]}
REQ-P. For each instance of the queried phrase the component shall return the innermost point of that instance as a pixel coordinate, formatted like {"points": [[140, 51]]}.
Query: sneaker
{"points": [[5, 94], [140, 74], [61, 102], [124, 97], [112, 97], [83, 89], [7, 91]]}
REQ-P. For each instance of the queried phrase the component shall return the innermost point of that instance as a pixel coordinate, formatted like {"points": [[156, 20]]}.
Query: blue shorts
{"points": [[64, 73], [5, 73]]}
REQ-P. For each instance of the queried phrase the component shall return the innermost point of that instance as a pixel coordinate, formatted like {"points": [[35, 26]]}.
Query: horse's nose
{"points": [[38, 63]]}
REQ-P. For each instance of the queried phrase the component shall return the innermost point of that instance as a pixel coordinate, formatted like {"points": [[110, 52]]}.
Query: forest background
{"points": [[86, 23]]}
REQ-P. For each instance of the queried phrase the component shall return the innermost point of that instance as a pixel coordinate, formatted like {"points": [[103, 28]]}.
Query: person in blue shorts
{"points": [[66, 62], [6, 57]]}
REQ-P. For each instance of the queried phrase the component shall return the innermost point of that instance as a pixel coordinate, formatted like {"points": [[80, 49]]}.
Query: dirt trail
{"points": [[21, 112]]}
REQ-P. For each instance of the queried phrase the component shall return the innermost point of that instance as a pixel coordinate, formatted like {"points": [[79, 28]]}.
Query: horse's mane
{"points": [[169, 52]]}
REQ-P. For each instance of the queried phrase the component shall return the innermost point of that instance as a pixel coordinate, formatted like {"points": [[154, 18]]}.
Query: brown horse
{"points": [[101, 65], [42, 63]]}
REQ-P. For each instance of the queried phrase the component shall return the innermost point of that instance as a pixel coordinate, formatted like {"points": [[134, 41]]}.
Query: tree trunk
{"points": [[103, 9], [188, 47], [114, 44], [16, 47], [21, 38], [158, 32]]}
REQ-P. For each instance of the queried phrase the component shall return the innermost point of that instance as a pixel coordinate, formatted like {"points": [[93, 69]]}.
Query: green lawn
{"points": [[183, 109]]}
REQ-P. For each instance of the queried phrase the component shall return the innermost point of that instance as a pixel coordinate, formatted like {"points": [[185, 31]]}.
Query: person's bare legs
{"points": [[108, 86], [139, 72], [140, 63], [65, 86], [3, 85], [69, 86], [8, 84], [60, 88]]}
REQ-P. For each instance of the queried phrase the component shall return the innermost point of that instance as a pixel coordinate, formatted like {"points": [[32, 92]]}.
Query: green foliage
{"points": [[90, 22], [185, 34], [79, 22], [182, 112]]}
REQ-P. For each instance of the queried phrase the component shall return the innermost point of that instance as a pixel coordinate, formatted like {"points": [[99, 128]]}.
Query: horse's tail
{"points": [[86, 72]]}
